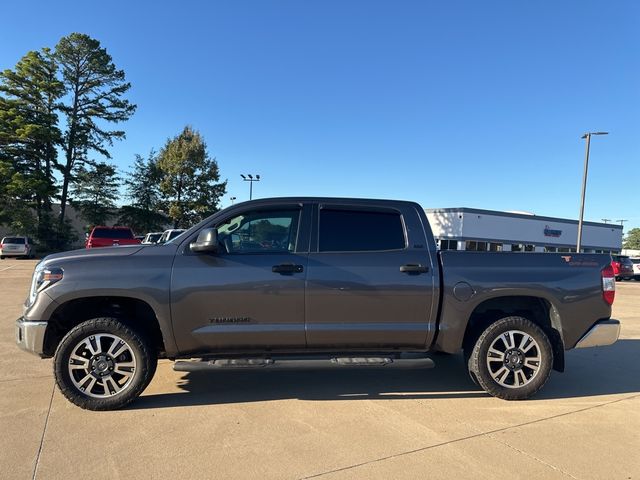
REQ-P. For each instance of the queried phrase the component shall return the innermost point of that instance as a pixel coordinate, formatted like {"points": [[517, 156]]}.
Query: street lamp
{"points": [[233, 199], [251, 179], [584, 185]]}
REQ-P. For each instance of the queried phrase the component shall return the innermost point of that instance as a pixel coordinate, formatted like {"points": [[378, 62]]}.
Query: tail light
{"points": [[608, 284]]}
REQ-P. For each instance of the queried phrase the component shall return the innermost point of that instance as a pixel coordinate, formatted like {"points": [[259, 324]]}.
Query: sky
{"points": [[451, 104]]}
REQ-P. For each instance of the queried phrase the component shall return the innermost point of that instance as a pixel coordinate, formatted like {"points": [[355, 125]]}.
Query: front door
{"points": [[250, 293]]}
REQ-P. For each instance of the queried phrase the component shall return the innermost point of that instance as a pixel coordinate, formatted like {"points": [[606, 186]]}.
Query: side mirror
{"points": [[207, 241]]}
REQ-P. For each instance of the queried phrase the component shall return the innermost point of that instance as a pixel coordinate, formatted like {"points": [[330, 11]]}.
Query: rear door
{"points": [[368, 284]]}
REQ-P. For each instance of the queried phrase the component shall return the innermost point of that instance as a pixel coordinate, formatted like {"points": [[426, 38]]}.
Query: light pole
{"points": [[584, 185], [233, 199], [251, 179]]}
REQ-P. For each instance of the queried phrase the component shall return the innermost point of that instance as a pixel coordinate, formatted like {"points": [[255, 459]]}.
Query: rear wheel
{"points": [[511, 359], [102, 364]]}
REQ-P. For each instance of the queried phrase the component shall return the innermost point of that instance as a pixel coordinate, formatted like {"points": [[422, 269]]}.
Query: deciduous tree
{"points": [[632, 240], [190, 179]]}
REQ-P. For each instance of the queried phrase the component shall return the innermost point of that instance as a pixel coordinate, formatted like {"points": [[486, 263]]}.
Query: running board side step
{"points": [[302, 363]]}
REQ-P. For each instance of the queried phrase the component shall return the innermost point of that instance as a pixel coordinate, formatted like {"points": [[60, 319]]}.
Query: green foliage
{"points": [[142, 221], [29, 137], [632, 240], [95, 192], [79, 81], [95, 91], [264, 231], [189, 179], [143, 189]]}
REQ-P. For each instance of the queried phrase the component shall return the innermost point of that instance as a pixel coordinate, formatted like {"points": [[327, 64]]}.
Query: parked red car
{"points": [[622, 267], [110, 237]]}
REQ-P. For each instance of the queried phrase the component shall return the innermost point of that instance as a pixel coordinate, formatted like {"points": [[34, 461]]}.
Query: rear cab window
{"points": [[115, 233], [360, 230], [14, 240]]}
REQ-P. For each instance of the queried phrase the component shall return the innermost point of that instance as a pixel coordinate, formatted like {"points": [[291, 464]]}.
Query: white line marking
{"points": [[7, 268]]}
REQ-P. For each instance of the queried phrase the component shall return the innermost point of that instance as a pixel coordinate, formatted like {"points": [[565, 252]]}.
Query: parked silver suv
{"points": [[17, 247]]}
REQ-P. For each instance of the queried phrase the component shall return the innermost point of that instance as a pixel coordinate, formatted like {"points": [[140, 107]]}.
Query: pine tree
{"points": [[29, 136], [95, 91], [143, 214], [95, 192]]}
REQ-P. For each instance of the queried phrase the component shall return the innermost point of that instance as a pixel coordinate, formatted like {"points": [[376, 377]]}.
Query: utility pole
{"points": [[622, 221], [584, 185], [249, 178], [606, 220]]}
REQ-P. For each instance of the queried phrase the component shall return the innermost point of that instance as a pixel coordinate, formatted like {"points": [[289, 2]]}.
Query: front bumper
{"points": [[30, 335], [604, 332]]}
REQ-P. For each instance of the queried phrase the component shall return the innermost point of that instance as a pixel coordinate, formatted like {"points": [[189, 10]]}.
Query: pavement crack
{"points": [[462, 439], [24, 379], [530, 455], [44, 432]]}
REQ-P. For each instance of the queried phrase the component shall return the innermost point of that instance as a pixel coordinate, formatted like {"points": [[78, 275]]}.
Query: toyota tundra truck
{"points": [[301, 282]]}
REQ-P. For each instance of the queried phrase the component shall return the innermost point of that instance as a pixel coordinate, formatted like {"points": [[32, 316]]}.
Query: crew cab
{"points": [[110, 237], [294, 282]]}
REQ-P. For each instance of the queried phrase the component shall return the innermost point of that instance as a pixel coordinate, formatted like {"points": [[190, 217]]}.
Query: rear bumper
{"points": [[30, 335], [604, 332], [14, 253]]}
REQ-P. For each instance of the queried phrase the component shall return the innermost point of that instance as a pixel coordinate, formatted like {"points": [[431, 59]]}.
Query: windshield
{"points": [[152, 237]]}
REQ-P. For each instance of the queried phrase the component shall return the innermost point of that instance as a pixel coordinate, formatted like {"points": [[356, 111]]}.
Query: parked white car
{"points": [[636, 268], [151, 238], [17, 247], [170, 235]]}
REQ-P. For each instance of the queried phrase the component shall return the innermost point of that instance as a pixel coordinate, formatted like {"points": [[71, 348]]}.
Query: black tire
{"points": [[533, 373], [135, 350]]}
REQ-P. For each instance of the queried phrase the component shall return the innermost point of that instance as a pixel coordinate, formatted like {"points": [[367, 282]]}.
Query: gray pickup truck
{"points": [[296, 282]]}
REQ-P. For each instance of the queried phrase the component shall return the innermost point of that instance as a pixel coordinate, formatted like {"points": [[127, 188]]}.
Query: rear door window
{"points": [[360, 230]]}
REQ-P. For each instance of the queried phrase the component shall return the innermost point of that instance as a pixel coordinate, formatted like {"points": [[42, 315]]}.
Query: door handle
{"points": [[287, 268], [414, 268]]}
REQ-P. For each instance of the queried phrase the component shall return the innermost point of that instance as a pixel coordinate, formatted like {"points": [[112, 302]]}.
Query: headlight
{"points": [[43, 277]]}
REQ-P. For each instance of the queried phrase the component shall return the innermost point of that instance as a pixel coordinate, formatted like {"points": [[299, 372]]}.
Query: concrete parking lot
{"points": [[351, 424]]}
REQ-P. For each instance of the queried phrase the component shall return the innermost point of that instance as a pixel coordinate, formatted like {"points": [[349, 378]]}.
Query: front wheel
{"points": [[102, 364], [512, 359]]}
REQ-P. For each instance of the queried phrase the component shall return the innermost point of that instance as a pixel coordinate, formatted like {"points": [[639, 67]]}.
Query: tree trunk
{"points": [[70, 150]]}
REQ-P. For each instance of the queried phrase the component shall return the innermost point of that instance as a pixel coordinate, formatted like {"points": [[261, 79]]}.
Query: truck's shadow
{"points": [[590, 372]]}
